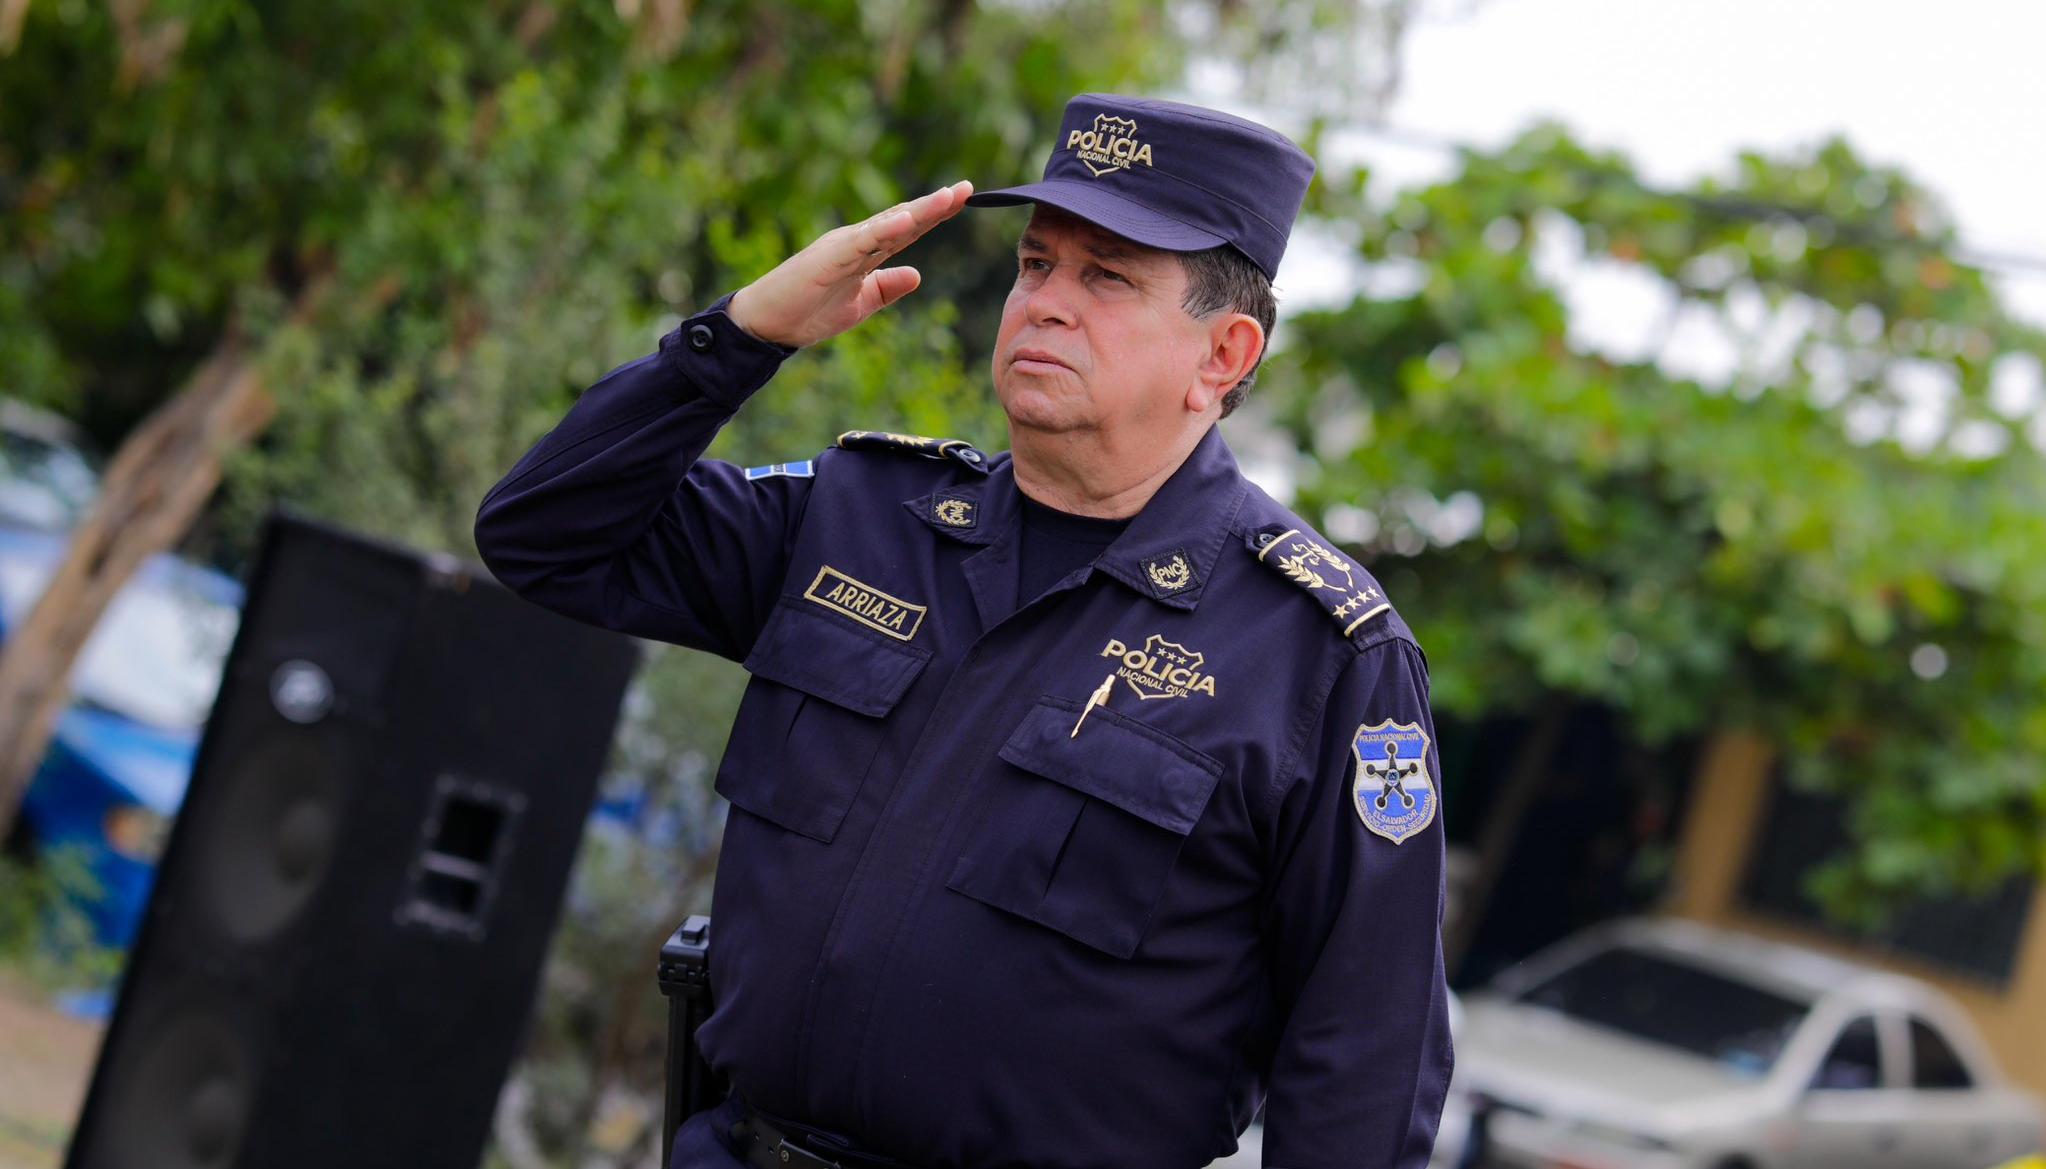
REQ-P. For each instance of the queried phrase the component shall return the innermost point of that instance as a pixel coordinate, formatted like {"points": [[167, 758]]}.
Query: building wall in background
{"points": [[1733, 793]]}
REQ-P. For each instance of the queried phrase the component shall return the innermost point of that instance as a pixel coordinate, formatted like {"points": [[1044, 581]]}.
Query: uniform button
{"points": [[1264, 539], [701, 338], [971, 456]]}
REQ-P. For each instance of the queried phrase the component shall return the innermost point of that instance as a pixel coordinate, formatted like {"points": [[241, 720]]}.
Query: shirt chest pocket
{"points": [[813, 718], [1080, 832]]}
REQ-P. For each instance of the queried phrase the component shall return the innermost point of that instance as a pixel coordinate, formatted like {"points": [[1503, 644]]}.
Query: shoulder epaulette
{"points": [[913, 444], [1336, 583]]}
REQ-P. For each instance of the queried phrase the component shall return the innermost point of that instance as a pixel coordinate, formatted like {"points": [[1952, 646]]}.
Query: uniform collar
{"points": [[1169, 551]]}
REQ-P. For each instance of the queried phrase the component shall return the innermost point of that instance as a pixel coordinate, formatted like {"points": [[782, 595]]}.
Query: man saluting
{"points": [[1057, 836]]}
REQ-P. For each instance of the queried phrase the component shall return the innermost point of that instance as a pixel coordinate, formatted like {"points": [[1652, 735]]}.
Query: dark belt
{"points": [[769, 1142]]}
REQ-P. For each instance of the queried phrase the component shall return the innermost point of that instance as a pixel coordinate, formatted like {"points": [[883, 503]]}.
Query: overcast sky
{"points": [[1953, 93]]}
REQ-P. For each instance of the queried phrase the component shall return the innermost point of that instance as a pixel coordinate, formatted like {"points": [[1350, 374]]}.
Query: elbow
{"points": [[536, 562], [497, 544], [484, 532]]}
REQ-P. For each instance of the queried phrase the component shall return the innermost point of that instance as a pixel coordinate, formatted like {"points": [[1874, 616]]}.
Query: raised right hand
{"points": [[838, 281]]}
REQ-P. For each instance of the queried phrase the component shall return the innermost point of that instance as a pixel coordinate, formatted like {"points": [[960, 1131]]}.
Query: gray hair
{"points": [[1222, 279]]}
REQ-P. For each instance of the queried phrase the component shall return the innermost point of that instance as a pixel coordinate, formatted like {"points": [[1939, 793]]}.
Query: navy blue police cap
{"points": [[1173, 176]]}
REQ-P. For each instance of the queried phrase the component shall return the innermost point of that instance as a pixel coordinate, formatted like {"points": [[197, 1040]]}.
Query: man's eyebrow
{"points": [[1105, 248], [1110, 250]]}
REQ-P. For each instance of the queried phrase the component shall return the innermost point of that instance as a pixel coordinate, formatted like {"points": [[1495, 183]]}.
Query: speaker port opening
{"points": [[463, 845], [445, 893], [468, 830]]}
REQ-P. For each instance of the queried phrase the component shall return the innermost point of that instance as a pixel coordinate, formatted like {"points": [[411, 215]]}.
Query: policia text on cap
{"points": [[1083, 797]]}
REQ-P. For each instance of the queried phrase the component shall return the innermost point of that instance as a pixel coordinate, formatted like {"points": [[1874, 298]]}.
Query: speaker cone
{"points": [[275, 832], [185, 1098]]}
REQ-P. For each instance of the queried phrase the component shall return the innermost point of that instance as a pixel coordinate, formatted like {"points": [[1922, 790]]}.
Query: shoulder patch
{"points": [[913, 444], [804, 469], [1394, 794], [1349, 594]]}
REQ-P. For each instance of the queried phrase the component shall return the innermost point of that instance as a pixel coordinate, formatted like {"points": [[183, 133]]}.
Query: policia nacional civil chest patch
{"points": [[1394, 794]]}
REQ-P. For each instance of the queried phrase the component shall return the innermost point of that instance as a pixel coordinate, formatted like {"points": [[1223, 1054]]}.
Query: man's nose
{"points": [[1051, 302]]}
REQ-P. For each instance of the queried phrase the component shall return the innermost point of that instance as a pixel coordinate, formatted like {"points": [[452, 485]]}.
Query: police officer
{"points": [[1083, 797]]}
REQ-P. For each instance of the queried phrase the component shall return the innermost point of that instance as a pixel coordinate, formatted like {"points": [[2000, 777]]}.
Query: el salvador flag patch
{"points": [[1394, 793], [802, 470]]}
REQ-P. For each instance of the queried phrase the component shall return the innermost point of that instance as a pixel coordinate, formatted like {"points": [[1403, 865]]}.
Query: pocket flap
{"points": [[828, 657], [1118, 760]]}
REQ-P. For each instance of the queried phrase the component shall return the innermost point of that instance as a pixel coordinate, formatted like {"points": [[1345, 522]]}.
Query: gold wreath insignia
{"points": [[1171, 575], [956, 512]]}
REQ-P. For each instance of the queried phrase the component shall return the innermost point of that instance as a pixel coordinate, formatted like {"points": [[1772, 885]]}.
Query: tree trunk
{"points": [[159, 479], [1502, 823]]}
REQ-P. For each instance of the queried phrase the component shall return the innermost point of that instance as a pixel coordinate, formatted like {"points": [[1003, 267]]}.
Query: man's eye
{"points": [[1118, 277], [1032, 264]]}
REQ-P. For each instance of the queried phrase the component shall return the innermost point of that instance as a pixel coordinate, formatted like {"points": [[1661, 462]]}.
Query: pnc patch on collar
{"points": [[865, 604], [1394, 794], [955, 511], [1171, 574], [1346, 591]]}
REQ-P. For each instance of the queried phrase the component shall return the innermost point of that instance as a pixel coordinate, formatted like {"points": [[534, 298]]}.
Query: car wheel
{"points": [[1733, 1163]]}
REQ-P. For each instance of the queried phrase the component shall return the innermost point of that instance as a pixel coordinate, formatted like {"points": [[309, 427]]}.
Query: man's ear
{"points": [[1235, 342]]}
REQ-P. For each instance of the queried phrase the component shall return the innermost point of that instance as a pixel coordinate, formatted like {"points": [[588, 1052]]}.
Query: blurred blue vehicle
{"points": [[121, 757]]}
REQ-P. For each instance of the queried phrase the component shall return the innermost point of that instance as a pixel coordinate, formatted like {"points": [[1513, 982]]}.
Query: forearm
{"points": [[570, 526], [1367, 1063]]}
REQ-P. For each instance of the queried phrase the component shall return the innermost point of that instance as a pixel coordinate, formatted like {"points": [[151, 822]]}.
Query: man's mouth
{"points": [[1036, 360]]}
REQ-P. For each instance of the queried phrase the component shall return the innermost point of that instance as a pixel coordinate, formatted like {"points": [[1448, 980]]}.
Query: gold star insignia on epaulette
{"points": [[1327, 575], [913, 444]]}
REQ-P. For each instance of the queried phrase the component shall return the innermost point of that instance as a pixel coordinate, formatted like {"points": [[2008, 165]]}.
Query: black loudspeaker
{"points": [[342, 949]]}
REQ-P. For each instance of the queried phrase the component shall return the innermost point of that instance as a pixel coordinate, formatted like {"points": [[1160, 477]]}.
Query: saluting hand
{"points": [[838, 281]]}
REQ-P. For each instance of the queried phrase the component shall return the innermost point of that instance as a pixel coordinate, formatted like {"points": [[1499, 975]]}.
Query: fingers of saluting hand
{"points": [[837, 281], [874, 239], [889, 285]]}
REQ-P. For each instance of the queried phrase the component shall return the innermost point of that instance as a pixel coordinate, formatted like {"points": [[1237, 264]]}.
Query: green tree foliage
{"points": [[1775, 548], [506, 199], [45, 936]]}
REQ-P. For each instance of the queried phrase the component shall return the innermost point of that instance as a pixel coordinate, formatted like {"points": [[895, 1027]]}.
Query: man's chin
{"points": [[1040, 408]]}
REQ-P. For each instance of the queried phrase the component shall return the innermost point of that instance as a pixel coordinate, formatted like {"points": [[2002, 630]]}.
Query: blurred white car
{"points": [[1668, 1045]]}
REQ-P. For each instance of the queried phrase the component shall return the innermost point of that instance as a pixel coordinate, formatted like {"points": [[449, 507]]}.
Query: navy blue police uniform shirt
{"points": [[948, 923], [1055, 542]]}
